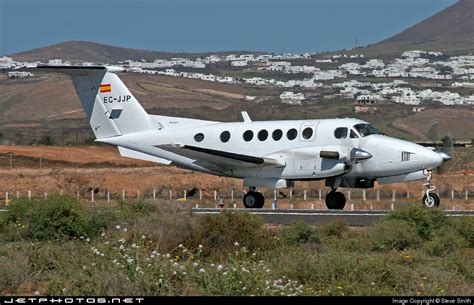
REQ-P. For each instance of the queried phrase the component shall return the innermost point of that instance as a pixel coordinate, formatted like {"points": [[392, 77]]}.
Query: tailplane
{"points": [[110, 107]]}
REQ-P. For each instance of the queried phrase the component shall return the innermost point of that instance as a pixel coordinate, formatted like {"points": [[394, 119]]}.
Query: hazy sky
{"points": [[295, 26]]}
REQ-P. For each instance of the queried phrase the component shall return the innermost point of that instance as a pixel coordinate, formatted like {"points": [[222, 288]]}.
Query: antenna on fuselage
{"points": [[246, 117]]}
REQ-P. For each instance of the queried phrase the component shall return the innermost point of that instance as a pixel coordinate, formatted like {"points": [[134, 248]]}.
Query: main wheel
{"points": [[431, 201], [253, 200], [335, 200]]}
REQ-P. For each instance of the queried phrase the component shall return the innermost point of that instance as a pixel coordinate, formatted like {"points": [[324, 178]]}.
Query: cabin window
{"points": [[262, 135], [307, 133], [248, 135], [225, 136], [277, 134], [199, 137], [291, 134], [340, 133]]}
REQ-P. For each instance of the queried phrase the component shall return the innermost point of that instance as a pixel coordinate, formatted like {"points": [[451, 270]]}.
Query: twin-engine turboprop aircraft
{"points": [[272, 154]]}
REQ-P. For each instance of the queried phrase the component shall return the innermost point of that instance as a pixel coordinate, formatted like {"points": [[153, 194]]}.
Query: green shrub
{"points": [[445, 241], [393, 235], [54, 218], [218, 233], [299, 232], [425, 220], [336, 228], [465, 227]]}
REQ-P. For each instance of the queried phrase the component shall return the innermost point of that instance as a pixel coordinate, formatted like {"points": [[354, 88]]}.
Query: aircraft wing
{"points": [[220, 159]]}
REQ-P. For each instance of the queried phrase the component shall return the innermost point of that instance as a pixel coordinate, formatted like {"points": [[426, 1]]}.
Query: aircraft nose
{"points": [[432, 158]]}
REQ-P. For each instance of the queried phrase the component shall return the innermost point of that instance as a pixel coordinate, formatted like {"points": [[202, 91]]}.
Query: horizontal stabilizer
{"points": [[129, 153]]}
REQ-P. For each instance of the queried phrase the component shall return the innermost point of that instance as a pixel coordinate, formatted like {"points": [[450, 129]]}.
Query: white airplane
{"points": [[273, 154]]}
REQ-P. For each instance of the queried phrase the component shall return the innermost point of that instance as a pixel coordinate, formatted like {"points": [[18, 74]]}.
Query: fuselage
{"points": [[296, 143]]}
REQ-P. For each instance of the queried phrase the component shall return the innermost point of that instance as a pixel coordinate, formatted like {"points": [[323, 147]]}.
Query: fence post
{"points": [[291, 194], [393, 195], [232, 195], [352, 207], [312, 206], [17, 195], [378, 195], [452, 194], [92, 195], [45, 195], [364, 196], [349, 194], [6, 198], [408, 194], [200, 194], [304, 195], [467, 195], [123, 195], [185, 195], [138, 194], [29, 195], [61, 192], [108, 196], [215, 195], [319, 193], [154, 195], [274, 199], [391, 206], [171, 194], [77, 194]]}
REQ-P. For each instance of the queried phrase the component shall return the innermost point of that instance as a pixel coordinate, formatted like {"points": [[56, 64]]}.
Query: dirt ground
{"points": [[87, 169]]}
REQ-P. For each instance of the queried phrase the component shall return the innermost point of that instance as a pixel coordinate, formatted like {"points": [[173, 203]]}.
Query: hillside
{"points": [[78, 51], [450, 31]]}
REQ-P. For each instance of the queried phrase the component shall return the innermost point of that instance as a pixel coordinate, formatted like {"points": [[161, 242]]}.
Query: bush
{"points": [[445, 241], [55, 218], [218, 233], [299, 232], [393, 235], [425, 220], [335, 228], [465, 227]]}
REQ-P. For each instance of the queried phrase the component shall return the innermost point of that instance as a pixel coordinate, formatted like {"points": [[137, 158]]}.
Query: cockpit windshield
{"points": [[367, 130]]}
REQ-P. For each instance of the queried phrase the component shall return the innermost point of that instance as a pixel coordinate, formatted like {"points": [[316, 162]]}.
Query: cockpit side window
{"points": [[340, 133], [353, 134], [366, 130]]}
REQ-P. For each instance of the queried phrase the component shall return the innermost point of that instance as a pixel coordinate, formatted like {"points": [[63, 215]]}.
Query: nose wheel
{"points": [[430, 200], [253, 200], [335, 200]]}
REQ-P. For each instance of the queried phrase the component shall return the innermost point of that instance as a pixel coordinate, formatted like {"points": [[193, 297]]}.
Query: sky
{"points": [[279, 26]]}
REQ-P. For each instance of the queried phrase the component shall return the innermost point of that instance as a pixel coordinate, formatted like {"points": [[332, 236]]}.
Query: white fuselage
{"points": [[300, 155]]}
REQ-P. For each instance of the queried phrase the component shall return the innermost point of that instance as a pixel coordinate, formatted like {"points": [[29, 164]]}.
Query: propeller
{"points": [[446, 149]]}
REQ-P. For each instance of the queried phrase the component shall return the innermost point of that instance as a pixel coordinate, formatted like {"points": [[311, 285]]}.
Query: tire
{"points": [[341, 201], [253, 200], [431, 202], [335, 201]]}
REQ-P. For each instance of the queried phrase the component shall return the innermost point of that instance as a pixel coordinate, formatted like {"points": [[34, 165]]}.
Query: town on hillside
{"points": [[412, 78]]}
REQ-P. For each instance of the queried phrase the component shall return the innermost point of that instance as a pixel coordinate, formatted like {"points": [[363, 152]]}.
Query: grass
{"points": [[59, 247]]}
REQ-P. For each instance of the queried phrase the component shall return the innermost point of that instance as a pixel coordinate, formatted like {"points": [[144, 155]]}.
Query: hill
{"points": [[450, 31], [78, 51]]}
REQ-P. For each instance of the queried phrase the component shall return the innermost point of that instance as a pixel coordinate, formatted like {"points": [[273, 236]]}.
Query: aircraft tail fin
{"points": [[110, 107]]}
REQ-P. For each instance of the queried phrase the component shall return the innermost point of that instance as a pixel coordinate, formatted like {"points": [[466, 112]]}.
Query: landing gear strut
{"points": [[430, 200], [335, 200], [253, 199]]}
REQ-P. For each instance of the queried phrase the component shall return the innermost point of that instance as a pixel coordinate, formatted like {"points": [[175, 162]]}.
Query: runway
{"points": [[352, 218]]}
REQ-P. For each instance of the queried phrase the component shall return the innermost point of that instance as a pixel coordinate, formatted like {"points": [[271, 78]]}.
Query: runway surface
{"points": [[352, 218]]}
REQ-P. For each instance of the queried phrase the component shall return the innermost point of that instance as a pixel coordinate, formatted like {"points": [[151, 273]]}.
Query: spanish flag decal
{"points": [[105, 88]]}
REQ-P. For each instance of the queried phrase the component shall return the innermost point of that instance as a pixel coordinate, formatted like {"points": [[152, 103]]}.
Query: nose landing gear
{"points": [[430, 200]]}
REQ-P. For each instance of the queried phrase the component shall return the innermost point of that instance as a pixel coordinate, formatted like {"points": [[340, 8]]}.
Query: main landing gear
{"points": [[253, 199], [430, 200], [335, 200]]}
